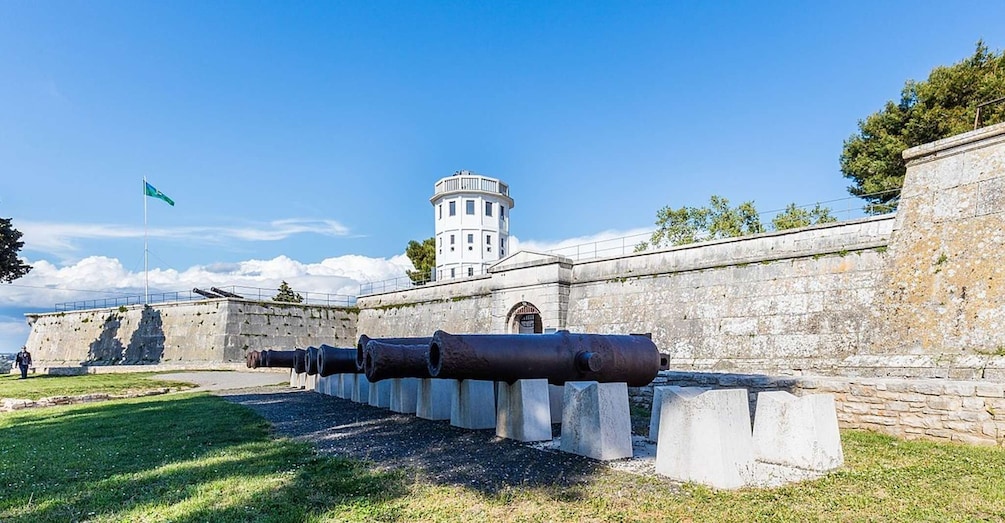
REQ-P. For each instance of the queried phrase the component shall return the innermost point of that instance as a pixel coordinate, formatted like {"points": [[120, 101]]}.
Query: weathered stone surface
{"points": [[434, 398], [798, 431], [360, 389], [380, 394], [404, 395], [523, 410], [705, 437], [473, 405], [595, 420]]}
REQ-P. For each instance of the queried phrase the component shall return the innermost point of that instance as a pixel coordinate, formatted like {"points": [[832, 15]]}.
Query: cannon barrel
{"points": [[312, 360], [388, 360], [288, 359], [364, 339], [558, 357], [333, 360]]}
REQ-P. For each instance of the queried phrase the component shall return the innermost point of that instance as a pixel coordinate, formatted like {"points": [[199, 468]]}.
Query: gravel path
{"points": [[444, 454]]}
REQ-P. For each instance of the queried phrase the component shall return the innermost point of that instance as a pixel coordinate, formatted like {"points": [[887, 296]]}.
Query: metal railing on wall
{"points": [[841, 209], [249, 293]]}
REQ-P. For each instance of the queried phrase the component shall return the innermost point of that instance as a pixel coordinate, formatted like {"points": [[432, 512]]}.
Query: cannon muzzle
{"points": [[558, 357], [364, 339], [386, 360], [333, 360], [311, 358], [253, 359]]}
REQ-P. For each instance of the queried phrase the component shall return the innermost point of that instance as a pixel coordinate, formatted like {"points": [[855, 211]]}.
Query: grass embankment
{"points": [[194, 457], [45, 386]]}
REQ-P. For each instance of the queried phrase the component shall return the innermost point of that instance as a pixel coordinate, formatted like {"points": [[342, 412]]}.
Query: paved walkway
{"points": [[226, 380]]}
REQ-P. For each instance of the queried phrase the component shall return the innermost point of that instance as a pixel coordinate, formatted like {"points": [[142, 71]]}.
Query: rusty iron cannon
{"points": [[364, 339], [334, 360], [385, 360], [311, 357], [253, 359], [290, 359], [557, 357]]}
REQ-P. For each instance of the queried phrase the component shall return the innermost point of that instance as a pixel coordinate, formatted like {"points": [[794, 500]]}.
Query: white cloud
{"points": [[99, 278], [60, 238], [599, 245]]}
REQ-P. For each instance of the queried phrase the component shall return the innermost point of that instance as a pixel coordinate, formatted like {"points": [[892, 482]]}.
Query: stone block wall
{"points": [[791, 302], [971, 412], [196, 332]]}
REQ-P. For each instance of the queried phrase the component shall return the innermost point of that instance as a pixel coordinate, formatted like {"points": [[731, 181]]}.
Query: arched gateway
{"points": [[524, 318]]}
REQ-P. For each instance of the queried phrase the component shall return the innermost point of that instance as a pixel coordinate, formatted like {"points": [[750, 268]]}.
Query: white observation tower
{"points": [[472, 224]]}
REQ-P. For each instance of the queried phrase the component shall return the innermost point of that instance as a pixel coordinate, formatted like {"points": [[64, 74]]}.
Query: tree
{"points": [[423, 256], [793, 217], [691, 224], [942, 106], [11, 267], [286, 294]]}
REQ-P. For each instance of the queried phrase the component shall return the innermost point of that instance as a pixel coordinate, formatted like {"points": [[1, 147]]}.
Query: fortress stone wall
{"points": [[194, 334], [919, 296]]}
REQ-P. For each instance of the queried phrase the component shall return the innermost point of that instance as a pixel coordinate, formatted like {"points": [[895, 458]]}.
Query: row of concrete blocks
{"points": [[594, 416], [701, 435], [705, 436]]}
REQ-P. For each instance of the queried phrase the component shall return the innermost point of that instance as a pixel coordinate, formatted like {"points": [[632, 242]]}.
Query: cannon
{"points": [[311, 357], [364, 339], [253, 359], [385, 360], [557, 357], [289, 359], [333, 360]]}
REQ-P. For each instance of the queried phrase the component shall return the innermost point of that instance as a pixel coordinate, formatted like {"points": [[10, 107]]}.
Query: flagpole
{"points": [[146, 251]]}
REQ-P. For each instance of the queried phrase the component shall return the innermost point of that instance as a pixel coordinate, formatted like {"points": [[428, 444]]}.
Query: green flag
{"points": [[152, 191]]}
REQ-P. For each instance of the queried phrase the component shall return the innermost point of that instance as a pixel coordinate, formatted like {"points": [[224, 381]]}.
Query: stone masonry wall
{"points": [[198, 332], [791, 302], [971, 412]]}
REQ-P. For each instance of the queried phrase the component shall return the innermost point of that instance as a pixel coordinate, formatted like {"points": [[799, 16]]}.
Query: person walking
{"points": [[23, 361]]}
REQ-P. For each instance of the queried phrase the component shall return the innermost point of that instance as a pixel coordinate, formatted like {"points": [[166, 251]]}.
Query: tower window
{"points": [[488, 240], [488, 208], [451, 239], [502, 211], [471, 271], [441, 211], [471, 238], [452, 211], [452, 273], [469, 206]]}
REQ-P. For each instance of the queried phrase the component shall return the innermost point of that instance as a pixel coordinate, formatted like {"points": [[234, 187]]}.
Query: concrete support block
{"points": [[434, 398], [297, 380], [380, 394], [654, 416], [311, 382], [705, 437], [403, 395], [797, 431], [348, 383], [321, 387], [523, 411], [473, 405], [595, 420], [361, 389], [556, 394]]}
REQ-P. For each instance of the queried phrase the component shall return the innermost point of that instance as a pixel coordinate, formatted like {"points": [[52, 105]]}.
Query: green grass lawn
{"points": [[195, 457], [45, 386]]}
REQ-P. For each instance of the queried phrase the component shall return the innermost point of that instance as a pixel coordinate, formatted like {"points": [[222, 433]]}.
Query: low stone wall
{"points": [[971, 412]]}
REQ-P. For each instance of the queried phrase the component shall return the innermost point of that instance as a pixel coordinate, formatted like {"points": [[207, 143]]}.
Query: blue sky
{"points": [[301, 140]]}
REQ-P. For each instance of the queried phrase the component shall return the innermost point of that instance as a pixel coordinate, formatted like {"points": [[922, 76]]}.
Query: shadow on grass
{"points": [[192, 458]]}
